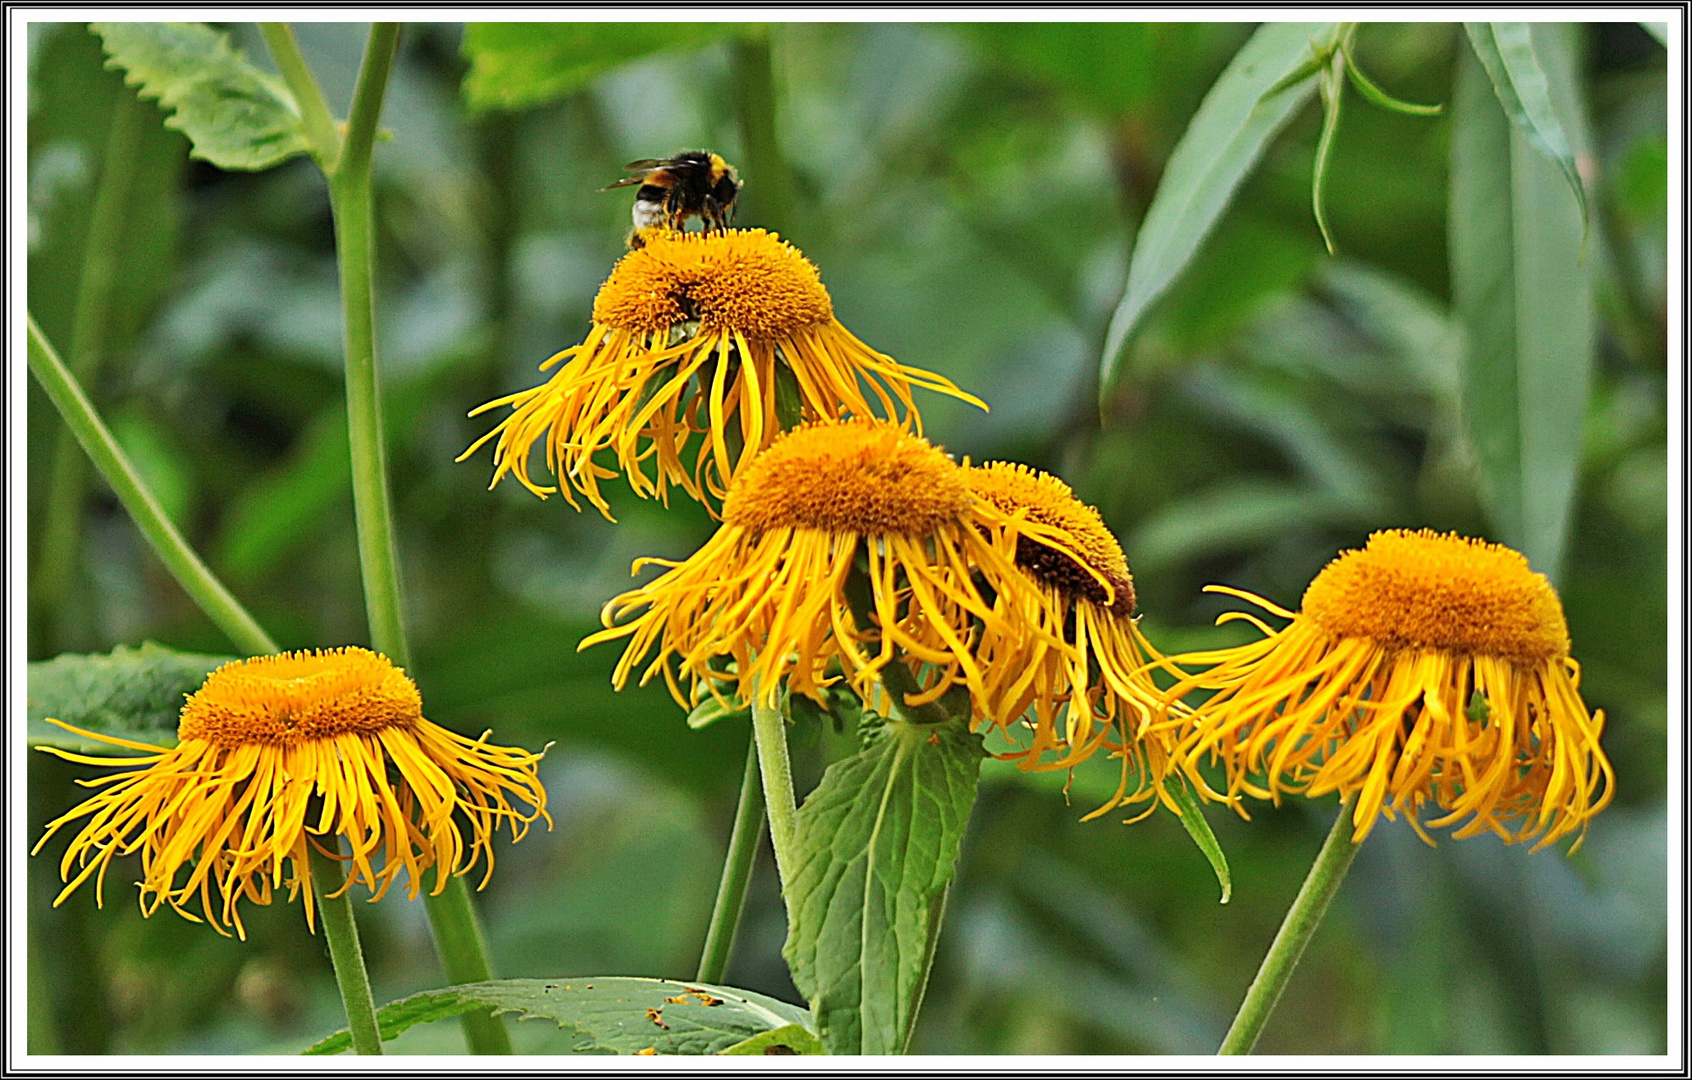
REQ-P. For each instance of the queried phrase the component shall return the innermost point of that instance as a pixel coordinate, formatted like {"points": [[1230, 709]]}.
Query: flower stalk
{"points": [[452, 916], [1302, 918], [769, 737], [340, 931], [737, 872]]}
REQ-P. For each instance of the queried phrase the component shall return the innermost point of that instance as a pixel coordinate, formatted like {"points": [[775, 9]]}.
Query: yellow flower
{"points": [[1084, 603], [1424, 668], [694, 334], [771, 590], [278, 752]]}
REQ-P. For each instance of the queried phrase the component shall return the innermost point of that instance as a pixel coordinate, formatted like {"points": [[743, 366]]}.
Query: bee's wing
{"points": [[649, 163], [627, 181]]}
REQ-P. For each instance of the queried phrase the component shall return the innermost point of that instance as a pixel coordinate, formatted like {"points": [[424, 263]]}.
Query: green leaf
{"points": [[521, 65], [612, 1015], [131, 693], [1192, 819], [792, 1039], [1226, 137], [1508, 52], [711, 710], [236, 116], [876, 848], [1525, 298]]}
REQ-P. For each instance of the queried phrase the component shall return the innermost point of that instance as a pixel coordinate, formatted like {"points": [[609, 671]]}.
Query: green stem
{"points": [[341, 933], [180, 559], [1300, 923], [452, 915], [90, 324], [769, 187], [350, 197], [769, 738], [462, 946], [737, 872], [314, 111]]}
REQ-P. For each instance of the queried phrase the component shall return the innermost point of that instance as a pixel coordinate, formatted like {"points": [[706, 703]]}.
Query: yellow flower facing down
{"points": [[691, 334], [1085, 677], [770, 590], [1424, 668], [278, 752]]}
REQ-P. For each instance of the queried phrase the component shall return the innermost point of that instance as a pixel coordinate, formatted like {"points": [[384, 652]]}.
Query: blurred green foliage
{"points": [[971, 195]]}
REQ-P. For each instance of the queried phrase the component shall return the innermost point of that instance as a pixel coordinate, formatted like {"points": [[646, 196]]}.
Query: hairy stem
{"points": [[769, 737], [180, 559], [1300, 923], [341, 933]]}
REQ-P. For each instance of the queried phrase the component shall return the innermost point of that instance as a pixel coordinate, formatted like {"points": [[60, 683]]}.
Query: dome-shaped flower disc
{"points": [[278, 752], [1422, 669], [696, 339]]}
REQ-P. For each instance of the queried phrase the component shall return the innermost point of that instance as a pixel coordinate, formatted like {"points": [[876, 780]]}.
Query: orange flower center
{"points": [[300, 696], [747, 281], [855, 476], [1427, 590], [1045, 500]]}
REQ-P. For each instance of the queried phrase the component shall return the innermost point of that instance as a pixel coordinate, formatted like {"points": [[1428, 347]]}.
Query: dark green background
{"points": [[970, 195]]}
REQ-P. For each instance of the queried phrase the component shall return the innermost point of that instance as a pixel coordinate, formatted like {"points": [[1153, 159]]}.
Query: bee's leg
{"points": [[713, 215], [673, 208]]}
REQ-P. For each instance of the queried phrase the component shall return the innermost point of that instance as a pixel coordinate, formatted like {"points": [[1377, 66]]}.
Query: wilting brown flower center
{"points": [[1046, 500]]}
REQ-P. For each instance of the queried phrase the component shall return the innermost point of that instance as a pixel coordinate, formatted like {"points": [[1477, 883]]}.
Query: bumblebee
{"points": [[694, 183]]}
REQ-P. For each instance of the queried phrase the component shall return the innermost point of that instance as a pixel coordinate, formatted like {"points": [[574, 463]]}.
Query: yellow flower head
{"points": [[278, 752], [697, 334], [772, 590], [1425, 668], [1090, 663]]}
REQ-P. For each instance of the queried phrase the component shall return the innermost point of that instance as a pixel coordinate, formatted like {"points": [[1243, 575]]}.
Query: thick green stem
{"points": [[1300, 923], [769, 737], [350, 195], [769, 182], [319, 123], [462, 946], [90, 326], [341, 933], [180, 559], [737, 872], [452, 916]]}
